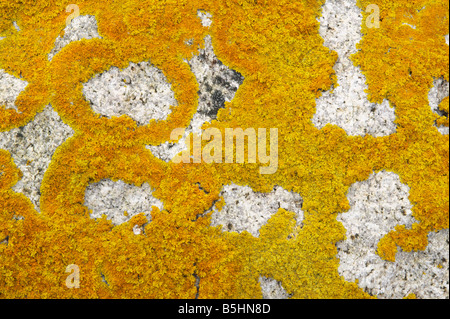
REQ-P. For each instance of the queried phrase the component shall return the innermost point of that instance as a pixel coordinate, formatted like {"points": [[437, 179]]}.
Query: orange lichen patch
{"points": [[276, 46], [9, 173], [20, 229], [443, 106], [24, 55], [73, 169], [32, 100], [220, 204], [408, 239], [399, 63]]}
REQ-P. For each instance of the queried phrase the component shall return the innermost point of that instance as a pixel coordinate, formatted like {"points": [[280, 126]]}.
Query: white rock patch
{"points": [[377, 206], [205, 17], [347, 106], [438, 92], [81, 27], [140, 91], [10, 88], [32, 147], [16, 26], [113, 199], [246, 210], [272, 289], [167, 151]]}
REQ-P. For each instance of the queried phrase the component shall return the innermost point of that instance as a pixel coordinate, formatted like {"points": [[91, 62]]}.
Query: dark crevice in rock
{"points": [[201, 188], [104, 279], [197, 282], [5, 240], [206, 212]]}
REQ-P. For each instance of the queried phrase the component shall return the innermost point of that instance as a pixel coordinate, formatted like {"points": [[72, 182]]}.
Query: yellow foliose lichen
{"points": [[277, 47]]}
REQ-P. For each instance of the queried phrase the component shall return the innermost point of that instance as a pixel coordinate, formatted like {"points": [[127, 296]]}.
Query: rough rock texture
{"points": [[347, 105], [217, 83], [205, 18], [140, 91], [377, 206], [81, 27], [10, 88], [246, 210], [113, 199], [438, 92], [272, 289], [32, 147]]}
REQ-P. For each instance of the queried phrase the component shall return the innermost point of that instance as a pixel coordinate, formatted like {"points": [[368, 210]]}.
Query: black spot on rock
{"points": [[218, 80], [441, 112], [218, 99], [208, 88], [236, 76], [218, 102], [223, 83]]}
